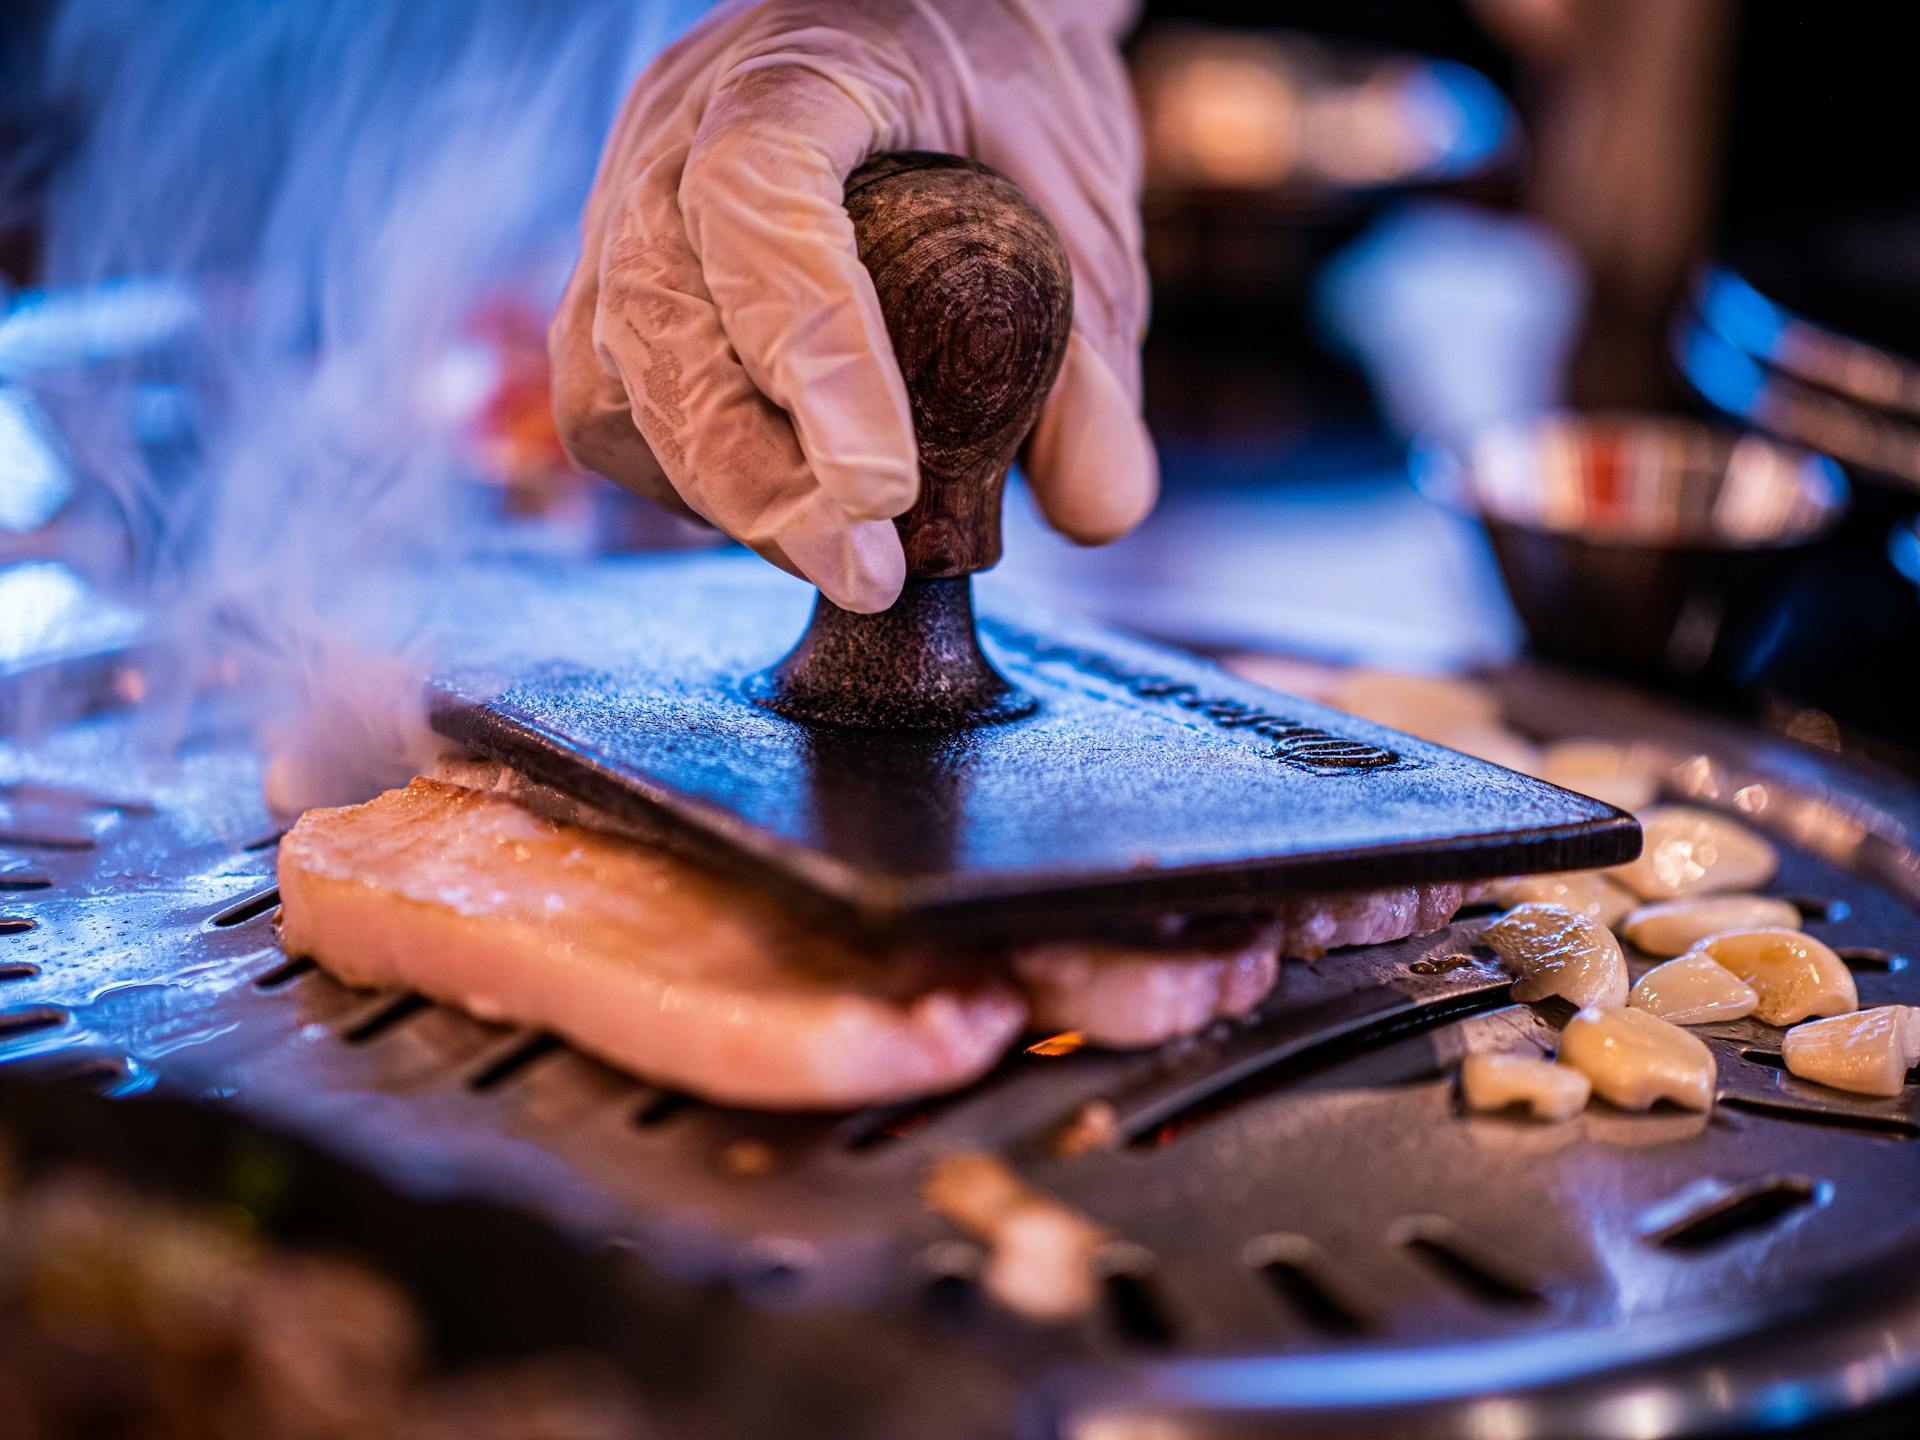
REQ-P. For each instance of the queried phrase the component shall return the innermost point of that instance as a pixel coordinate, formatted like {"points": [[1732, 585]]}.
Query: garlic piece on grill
{"points": [[1448, 711], [1634, 1058], [1674, 927], [1495, 744], [1613, 773], [1690, 852], [1868, 1053], [1552, 950], [1693, 990], [1425, 705], [1795, 975], [1040, 1251], [1586, 891], [1548, 1091]]}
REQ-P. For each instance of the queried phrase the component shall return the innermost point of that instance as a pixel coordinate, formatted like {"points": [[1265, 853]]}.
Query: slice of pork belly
{"points": [[656, 965], [1127, 996], [1313, 924]]}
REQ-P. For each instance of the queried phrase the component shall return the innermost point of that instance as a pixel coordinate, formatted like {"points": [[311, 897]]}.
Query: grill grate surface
{"points": [[1299, 1186]]}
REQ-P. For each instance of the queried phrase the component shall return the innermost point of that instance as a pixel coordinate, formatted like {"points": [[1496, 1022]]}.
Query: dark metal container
{"points": [[1649, 545]]}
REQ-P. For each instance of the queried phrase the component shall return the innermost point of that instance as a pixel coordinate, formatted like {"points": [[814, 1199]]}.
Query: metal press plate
{"points": [[1144, 781], [1312, 1240]]}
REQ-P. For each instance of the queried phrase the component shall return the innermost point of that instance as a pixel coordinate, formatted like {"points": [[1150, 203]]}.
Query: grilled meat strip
{"points": [[654, 964], [708, 984]]}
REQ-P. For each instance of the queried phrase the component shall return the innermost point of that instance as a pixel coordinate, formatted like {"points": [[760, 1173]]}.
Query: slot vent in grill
{"points": [[1468, 1266], [1871, 957], [504, 1067], [876, 1129], [1134, 1305], [30, 1019], [395, 1012], [775, 1269], [50, 834], [1156, 1126], [250, 908], [15, 924], [1294, 1270], [285, 973], [1865, 1123], [101, 1074], [1727, 1213], [951, 1278], [1819, 909], [660, 1107]]}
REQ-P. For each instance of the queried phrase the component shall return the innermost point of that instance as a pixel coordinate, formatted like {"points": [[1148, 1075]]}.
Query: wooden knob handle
{"points": [[978, 299]]}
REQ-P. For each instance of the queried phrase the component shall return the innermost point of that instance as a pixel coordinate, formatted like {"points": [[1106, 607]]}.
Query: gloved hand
{"points": [[720, 344]]}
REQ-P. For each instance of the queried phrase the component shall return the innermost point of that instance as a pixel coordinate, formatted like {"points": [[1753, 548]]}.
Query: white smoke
{"points": [[320, 196]]}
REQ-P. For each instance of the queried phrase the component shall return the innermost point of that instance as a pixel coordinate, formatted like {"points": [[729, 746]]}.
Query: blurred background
{"points": [[1571, 329]]}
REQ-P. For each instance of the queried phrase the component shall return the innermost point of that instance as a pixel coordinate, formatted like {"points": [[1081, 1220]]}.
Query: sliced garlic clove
{"points": [[1795, 975], [1689, 851], [1693, 990], [1447, 711], [1495, 744], [1616, 774], [1423, 705], [1547, 1091], [1040, 1250], [1634, 1059], [1552, 950], [1673, 927], [1868, 1052], [1586, 891]]}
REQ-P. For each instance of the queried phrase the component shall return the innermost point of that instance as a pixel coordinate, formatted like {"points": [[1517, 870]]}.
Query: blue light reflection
{"points": [[35, 480], [1741, 313], [1727, 377]]}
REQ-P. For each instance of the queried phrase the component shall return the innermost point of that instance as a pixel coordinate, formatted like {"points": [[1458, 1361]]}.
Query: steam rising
{"points": [[291, 213]]}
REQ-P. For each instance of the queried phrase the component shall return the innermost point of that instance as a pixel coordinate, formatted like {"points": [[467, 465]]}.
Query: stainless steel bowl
{"points": [[1642, 543]]}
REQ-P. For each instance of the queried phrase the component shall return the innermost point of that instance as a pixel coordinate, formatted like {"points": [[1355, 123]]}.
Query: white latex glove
{"points": [[720, 341]]}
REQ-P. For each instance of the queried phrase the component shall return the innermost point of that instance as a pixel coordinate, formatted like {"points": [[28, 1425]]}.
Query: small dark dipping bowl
{"points": [[1647, 544]]}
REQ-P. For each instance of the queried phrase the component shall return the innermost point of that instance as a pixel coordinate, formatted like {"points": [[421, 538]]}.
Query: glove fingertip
{"points": [[1090, 460], [858, 565]]}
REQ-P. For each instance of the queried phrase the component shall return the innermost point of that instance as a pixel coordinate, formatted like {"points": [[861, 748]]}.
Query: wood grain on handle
{"points": [[978, 299]]}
